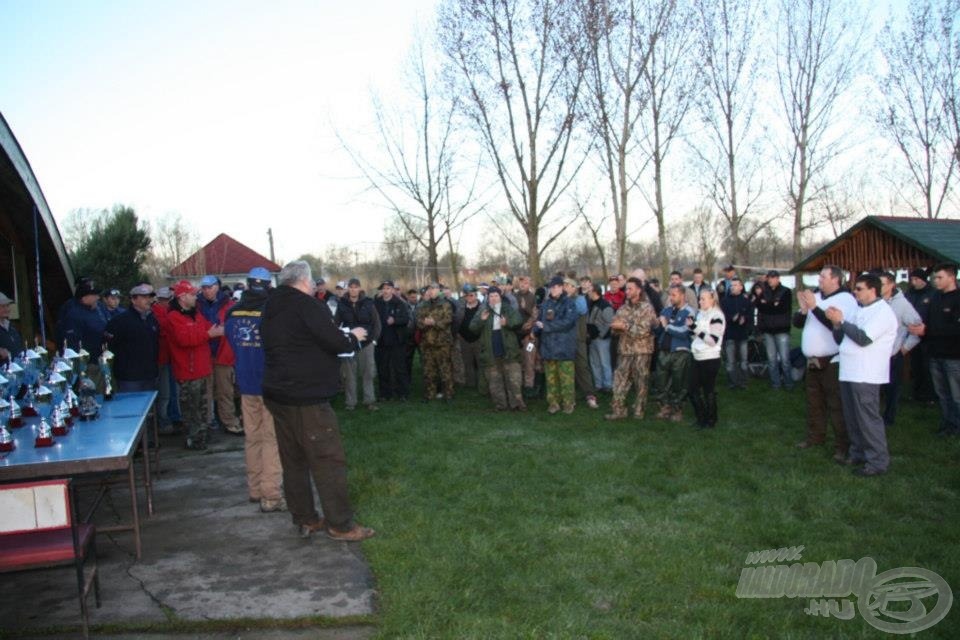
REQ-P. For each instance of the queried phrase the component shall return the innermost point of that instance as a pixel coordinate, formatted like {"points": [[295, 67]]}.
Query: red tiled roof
{"points": [[221, 256]]}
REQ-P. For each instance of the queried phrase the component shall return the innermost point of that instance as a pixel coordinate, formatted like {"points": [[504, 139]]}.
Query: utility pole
{"points": [[273, 258]]}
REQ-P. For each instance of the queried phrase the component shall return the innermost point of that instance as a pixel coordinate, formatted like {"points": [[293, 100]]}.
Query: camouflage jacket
{"points": [[438, 334], [640, 319]]}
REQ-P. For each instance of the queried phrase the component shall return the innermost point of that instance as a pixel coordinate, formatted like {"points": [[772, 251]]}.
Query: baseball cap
{"points": [[919, 273], [142, 290], [319, 281], [570, 281], [207, 281], [111, 292], [165, 293], [386, 283], [182, 287], [495, 290], [353, 281], [555, 281], [469, 288], [342, 285], [85, 287], [773, 273], [258, 273]]}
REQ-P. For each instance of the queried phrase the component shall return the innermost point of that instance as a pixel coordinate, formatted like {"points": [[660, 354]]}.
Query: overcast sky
{"points": [[222, 111]]}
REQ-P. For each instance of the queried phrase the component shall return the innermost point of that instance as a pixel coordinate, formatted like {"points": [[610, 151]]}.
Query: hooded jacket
{"points": [[189, 343], [558, 337]]}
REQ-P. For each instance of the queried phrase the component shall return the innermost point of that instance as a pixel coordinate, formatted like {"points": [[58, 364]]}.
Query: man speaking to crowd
{"points": [[301, 376]]}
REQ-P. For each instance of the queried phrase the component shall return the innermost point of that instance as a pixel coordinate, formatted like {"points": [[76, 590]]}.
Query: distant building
{"points": [[225, 258]]}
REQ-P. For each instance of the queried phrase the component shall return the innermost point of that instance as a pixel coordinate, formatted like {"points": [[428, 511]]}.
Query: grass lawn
{"points": [[511, 525]]}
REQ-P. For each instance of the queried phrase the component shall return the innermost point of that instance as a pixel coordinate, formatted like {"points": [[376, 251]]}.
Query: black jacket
{"points": [[361, 313], [394, 334], [774, 308], [920, 299], [301, 344], [135, 342], [942, 336], [736, 308]]}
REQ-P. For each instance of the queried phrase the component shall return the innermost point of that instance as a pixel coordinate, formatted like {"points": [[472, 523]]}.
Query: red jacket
{"points": [[189, 345], [615, 298], [224, 355], [160, 311]]}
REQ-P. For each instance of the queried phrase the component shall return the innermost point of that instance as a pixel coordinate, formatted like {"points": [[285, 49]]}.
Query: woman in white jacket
{"points": [[707, 338]]}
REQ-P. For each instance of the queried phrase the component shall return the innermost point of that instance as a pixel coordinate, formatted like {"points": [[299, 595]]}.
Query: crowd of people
{"points": [[265, 361]]}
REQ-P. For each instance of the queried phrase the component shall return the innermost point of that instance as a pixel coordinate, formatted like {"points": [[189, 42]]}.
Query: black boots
{"points": [[710, 410]]}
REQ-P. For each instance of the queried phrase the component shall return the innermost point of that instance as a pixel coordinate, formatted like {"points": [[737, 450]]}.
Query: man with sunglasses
{"points": [[866, 339], [134, 339]]}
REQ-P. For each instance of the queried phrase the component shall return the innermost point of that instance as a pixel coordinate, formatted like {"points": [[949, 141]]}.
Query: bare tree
{"points": [[817, 60], [620, 40], [671, 83], [517, 64], [419, 169], [593, 229], [727, 31], [949, 82], [172, 240], [915, 115]]}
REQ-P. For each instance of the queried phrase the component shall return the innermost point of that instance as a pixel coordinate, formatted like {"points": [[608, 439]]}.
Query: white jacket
{"points": [[708, 333]]}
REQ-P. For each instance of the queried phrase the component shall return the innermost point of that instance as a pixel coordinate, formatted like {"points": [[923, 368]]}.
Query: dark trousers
{"points": [[868, 436], [308, 438], [823, 404], [920, 374], [891, 390], [703, 377], [392, 371]]}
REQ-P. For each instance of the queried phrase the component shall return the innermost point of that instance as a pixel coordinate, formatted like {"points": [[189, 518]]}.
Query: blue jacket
{"points": [[211, 311], [242, 332], [135, 341], [676, 336], [558, 337], [78, 324]]}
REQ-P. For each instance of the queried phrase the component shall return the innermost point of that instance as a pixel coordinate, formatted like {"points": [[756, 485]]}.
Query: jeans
{"points": [[735, 356], [778, 344], [945, 375], [600, 364]]}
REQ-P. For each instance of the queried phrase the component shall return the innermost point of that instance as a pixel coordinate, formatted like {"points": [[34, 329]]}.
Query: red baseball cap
{"points": [[182, 287]]}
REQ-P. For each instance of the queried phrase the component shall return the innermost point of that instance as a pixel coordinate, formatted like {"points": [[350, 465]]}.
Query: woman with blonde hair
{"points": [[707, 339]]}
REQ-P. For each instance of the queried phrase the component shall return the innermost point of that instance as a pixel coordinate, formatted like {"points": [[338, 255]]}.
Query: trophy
{"points": [[65, 412], [87, 392], [6, 440], [59, 426], [106, 360], [73, 402], [16, 416], [41, 351], [29, 409], [43, 396], [44, 435]]}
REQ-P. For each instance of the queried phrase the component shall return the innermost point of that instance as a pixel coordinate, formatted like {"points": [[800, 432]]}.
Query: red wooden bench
{"points": [[39, 529]]}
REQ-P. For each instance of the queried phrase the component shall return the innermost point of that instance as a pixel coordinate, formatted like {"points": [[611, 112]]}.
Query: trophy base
{"points": [[15, 423], [6, 446], [60, 431], [43, 442]]}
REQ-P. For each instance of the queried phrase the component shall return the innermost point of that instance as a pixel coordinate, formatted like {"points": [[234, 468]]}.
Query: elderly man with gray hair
{"points": [[301, 376]]}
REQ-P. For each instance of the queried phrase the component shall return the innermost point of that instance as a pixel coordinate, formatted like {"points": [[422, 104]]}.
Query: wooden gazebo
{"points": [[890, 243]]}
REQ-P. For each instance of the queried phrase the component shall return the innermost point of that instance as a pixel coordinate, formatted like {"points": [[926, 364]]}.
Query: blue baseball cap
{"points": [[208, 281], [258, 273]]}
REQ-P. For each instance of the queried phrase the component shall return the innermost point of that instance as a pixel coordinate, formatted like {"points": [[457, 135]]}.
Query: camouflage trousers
{"points": [[673, 377], [560, 382], [456, 361], [194, 408], [505, 378], [437, 370], [632, 370]]}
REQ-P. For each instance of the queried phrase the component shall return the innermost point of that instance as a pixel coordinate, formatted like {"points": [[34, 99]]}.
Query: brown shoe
{"points": [[676, 415], [306, 530], [552, 409], [356, 534], [568, 409], [665, 412]]}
